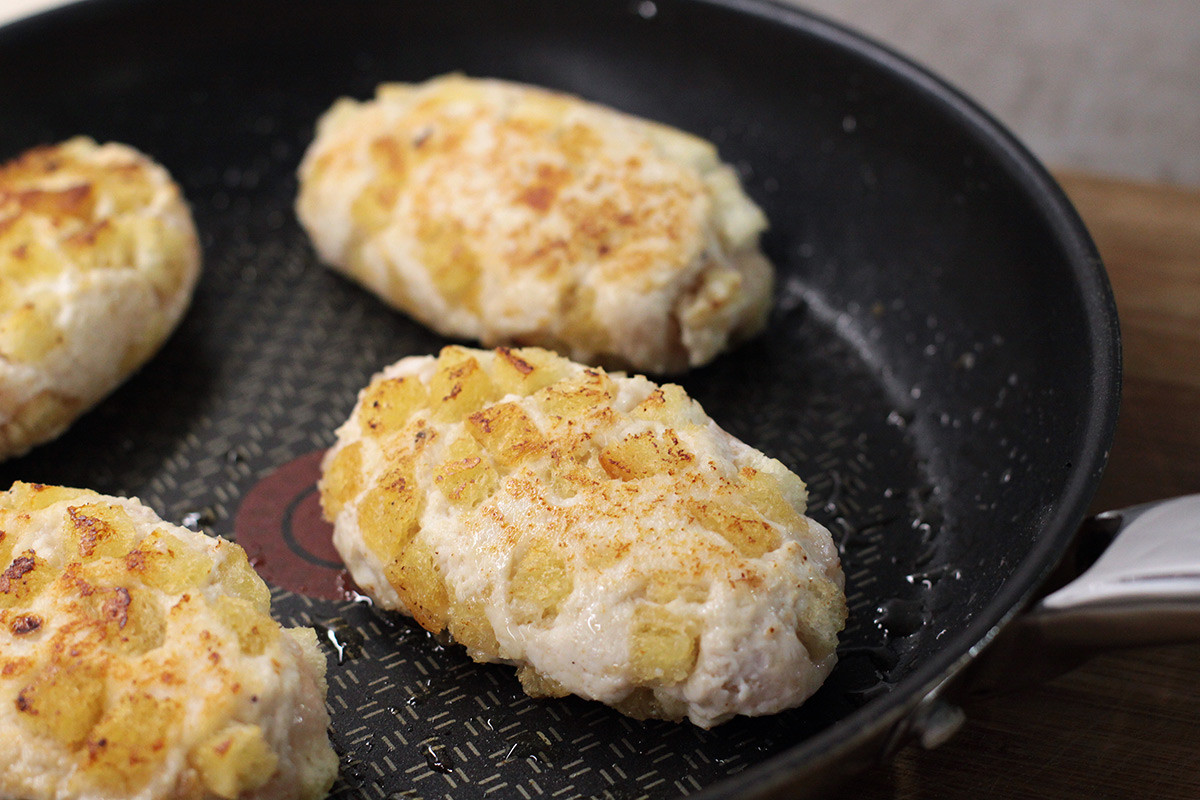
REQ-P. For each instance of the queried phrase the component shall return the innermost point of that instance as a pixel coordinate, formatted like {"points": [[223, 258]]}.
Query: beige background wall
{"points": [[1111, 86]]}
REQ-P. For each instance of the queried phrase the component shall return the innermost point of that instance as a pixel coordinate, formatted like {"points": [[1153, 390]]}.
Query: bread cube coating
{"points": [[138, 659], [597, 531], [98, 261], [512, 214]]}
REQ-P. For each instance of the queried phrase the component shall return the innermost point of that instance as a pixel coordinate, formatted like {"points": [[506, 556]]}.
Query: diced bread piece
{"points": [[138, 659], [511, 214], [599, 532], [98, 260]]}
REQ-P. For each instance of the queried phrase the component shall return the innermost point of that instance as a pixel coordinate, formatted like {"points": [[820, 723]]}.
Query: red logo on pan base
{"points": [[290, 544]]}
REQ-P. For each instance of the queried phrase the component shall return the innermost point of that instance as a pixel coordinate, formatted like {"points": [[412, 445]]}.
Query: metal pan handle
{"points": [[1144, 589]]}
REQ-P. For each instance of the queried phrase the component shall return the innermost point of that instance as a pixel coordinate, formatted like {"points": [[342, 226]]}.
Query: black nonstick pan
{"points": [[942, 362]]}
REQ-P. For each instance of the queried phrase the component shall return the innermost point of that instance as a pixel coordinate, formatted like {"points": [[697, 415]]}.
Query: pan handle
{"points": [[1140, 587], [1144, 589]]}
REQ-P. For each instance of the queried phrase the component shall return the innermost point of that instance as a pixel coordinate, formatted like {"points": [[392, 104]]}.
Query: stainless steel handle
{"points": [[1143, 590]]}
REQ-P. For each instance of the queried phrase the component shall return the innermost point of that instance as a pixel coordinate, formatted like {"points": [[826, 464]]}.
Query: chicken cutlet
{"points": [[598, 531], [138, 659], [511, 214], [98, 261]]}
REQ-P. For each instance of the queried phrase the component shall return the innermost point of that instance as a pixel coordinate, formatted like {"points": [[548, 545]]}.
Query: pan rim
{"points": [[886, 713], [1058, 529]]}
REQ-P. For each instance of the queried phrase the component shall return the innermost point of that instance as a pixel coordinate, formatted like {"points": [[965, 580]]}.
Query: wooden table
{"points": [[1126, 725]]}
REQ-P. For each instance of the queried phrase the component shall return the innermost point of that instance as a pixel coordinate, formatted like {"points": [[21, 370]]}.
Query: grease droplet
{"points": [[195, 520], [647, 9], [900, 617], [344, 640], [438, 762]]}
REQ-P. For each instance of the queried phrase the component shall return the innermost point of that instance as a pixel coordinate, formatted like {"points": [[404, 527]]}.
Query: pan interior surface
{"points": [[940, 365]]}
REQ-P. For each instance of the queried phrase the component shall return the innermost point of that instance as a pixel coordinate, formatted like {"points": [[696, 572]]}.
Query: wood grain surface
{"points": [[1124, 725]]}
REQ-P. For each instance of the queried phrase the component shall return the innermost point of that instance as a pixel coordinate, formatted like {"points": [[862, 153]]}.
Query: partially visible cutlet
{"points": [[139, 659], [98, 260]]}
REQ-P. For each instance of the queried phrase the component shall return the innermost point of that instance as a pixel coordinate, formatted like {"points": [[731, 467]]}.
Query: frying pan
{"points": [[942, 363]]}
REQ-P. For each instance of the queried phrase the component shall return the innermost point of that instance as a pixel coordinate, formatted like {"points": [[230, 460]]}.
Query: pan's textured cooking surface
{"points": [[938, 365]]}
